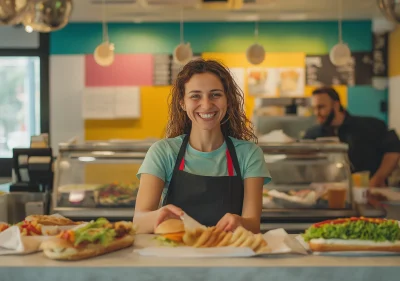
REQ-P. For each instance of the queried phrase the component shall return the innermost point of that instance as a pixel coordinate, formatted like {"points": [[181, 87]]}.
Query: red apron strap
{"points": [[229, 163], [182, 165]]}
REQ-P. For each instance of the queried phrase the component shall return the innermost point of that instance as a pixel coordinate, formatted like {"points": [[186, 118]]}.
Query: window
{"points": [[24, 90], [19, 102]]}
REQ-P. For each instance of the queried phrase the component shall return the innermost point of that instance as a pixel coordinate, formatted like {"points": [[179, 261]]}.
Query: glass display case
{"points": [[311, 180], [97, 179]]}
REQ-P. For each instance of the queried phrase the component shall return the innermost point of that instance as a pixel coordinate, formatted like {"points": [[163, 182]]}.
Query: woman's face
{"points": [[205, 101]]}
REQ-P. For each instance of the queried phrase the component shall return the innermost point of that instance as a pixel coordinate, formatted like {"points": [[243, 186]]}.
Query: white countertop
{"points": [[126, 258], [127, 265]]}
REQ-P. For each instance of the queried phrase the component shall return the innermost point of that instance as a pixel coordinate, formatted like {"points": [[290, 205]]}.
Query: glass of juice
{"points": [[337, 194]]}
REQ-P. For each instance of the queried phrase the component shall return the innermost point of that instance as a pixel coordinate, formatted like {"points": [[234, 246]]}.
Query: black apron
{"points": [[206, 198]]}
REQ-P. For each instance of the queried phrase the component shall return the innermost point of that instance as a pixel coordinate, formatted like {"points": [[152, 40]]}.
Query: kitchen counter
{"points": [[126, 265]]}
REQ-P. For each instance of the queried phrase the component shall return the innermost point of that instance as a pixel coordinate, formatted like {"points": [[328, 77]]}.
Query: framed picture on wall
{"points": [[263, 81]]}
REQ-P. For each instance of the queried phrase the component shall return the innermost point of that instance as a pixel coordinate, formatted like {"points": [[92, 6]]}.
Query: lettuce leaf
{"points": [[100, 222], [104, 235], [95, 231], [362, 230], [166, 242]]}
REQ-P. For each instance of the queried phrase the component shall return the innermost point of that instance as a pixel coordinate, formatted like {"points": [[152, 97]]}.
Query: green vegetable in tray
{"points": [[117, 193]]}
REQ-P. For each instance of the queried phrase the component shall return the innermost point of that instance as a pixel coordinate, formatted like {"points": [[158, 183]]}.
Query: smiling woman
{"points": [[208, 166]]}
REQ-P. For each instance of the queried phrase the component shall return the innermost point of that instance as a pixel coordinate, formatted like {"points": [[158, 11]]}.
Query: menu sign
{"points": [[321, 71], [380, 54], [166, 70], [162, 70]]}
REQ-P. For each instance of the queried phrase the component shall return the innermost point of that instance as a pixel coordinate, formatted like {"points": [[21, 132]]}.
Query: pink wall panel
{"points": [[127, 70]]}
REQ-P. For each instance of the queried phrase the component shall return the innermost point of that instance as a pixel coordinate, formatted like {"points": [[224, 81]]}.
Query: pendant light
{"points": [[104, 53], [340, 54], [390, 9], [255, 53], [183, 52], [12, 12], [47, 16]]}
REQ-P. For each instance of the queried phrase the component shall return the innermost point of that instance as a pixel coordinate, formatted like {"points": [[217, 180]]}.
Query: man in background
{"points": [[372, 147]]}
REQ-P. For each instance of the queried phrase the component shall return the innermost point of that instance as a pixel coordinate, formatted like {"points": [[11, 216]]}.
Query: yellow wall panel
{"points": [[271, 59], [152, 123], [341, 89], [394, 52]]}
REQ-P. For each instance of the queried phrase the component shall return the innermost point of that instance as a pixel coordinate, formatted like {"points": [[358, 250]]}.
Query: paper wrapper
{"points": [[12, 242], [279, 242]]}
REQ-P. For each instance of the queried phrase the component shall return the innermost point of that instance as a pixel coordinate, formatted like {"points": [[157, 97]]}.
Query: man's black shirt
{"points": [[368, 139]]}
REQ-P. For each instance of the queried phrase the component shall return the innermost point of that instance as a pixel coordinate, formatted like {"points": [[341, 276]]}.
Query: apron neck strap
{"points": [[180, 161], [231, 157]]}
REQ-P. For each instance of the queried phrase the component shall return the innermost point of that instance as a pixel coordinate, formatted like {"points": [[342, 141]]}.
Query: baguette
{"points": [[93, 239], [354, 234], [60, 249], [51, 220]]}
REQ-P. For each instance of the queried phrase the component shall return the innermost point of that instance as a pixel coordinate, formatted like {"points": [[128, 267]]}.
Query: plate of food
{"points": [[116, 195], [25, 237], [173, 239]]}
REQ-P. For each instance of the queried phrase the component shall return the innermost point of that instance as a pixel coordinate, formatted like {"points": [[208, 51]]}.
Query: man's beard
{"points": [[329, 119]]}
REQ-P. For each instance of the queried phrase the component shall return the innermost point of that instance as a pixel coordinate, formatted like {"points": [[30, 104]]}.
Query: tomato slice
{"points": [[352, 219]]}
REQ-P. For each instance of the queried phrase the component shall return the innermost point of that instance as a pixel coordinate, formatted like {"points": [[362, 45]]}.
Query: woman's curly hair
{"points": [[234, 124]]}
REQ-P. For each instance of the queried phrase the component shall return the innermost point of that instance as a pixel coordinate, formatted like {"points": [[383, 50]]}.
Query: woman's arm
{"points": [[147, 215], [252, 204], [147, 202]]}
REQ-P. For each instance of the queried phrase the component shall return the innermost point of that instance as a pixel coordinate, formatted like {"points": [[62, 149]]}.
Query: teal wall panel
{"points": [[309, 37], [366, 101]]}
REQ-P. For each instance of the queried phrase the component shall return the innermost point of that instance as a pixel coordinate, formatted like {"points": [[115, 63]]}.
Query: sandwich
{"points": [[93, 239], [31, 228], [36, 225], [354, 234], [170, 232], [51, 220], [4, 226], [173, 233]]}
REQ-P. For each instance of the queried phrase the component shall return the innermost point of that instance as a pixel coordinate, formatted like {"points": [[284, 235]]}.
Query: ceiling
{"points": [[251, 10]]}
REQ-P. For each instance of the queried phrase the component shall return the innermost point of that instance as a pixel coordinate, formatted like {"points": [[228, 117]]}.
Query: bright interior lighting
{"points": [[86, 159], [28, 29]]}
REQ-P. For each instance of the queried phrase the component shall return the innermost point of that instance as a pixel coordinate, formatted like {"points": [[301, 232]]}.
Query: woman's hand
{"points": [[229, 222], [168, 212]]}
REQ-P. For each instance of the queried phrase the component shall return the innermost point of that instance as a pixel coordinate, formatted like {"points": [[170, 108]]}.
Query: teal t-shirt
{"points": [[161, 157]]}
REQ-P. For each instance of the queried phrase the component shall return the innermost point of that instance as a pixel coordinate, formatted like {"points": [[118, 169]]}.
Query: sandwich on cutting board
{"points": [[354, 234]]}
